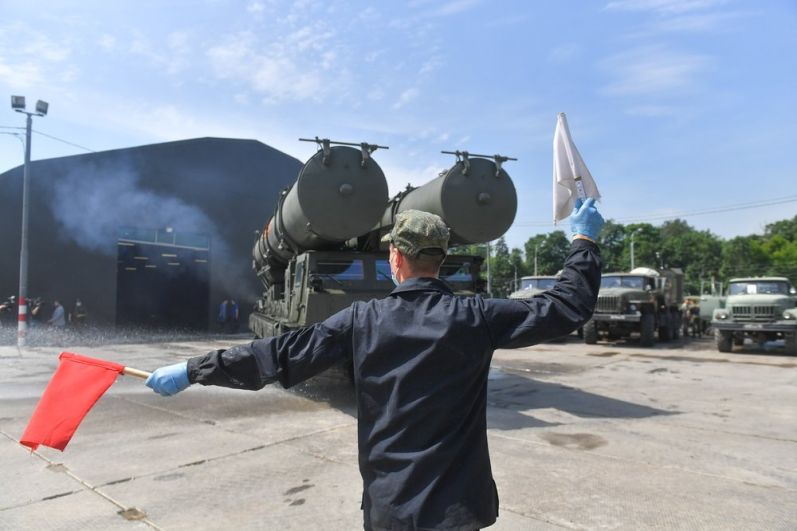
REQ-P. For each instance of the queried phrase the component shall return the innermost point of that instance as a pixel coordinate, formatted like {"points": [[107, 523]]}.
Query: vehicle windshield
{"points": [[455, 272], [622, 282], [341, 269], [537, 283], [759, 288]]}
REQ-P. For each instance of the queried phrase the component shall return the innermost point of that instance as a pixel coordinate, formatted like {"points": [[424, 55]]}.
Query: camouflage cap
{"points": [[416, 231]]}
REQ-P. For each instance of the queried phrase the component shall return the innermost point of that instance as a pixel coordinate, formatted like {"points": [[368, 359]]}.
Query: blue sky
{"points": [[677, 106]]}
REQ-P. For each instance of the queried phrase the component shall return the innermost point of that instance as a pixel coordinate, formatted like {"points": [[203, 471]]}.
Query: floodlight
{"points": [[18, 103], [41, 107]]}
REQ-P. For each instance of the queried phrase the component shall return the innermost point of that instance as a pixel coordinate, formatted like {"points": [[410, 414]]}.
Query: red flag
{"points": [[75, 387]]}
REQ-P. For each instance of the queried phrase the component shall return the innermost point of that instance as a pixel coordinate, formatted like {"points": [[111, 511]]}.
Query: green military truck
{"points": [[760, 308], [533, 285], [643, 301]]}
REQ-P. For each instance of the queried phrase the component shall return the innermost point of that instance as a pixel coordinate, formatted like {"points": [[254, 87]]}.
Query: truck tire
{"points": [[664, 328], [647, 327], [724, 340], [675, 318], [790, 343], [590, 332]]}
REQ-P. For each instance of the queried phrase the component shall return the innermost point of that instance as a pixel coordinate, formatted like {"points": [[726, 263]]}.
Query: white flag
{"points": [[571, 178]]}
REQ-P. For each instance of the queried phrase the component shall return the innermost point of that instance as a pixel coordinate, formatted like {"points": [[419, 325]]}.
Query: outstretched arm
{"points": [[289, 359], [568, 305]]}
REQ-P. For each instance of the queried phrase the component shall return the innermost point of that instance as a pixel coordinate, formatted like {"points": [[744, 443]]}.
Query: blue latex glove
{"points": [[585, 219], [169, 380]]}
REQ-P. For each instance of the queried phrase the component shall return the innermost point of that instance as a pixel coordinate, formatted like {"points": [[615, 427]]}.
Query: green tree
{"points": [[501, 269], [697, 253], [550, 250], [647, 246], [744, 256], [786, 229], [612, 242]]}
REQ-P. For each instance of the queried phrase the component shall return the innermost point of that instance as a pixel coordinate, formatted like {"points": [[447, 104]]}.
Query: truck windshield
{"points": [[455, 272], [758, 288], [341, 269], [537, 283], [624, 282]]}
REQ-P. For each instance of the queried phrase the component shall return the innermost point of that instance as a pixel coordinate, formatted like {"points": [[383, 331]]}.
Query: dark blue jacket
{"points": [[421, 359]]}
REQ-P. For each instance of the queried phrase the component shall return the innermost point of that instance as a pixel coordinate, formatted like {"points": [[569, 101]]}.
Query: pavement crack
{"points": [[86, 486]]}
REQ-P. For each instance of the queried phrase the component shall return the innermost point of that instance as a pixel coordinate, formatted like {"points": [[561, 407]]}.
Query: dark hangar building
{"points": [[156, 235]]}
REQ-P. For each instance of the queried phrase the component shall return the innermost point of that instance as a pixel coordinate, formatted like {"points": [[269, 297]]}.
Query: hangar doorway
{"points": [[162, 279]]}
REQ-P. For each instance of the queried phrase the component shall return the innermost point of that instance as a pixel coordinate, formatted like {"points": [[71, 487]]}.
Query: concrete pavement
{"points": [[608, 436]]}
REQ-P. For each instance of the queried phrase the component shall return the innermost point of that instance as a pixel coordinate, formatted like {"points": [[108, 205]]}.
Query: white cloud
{"points": [[107, 42], [698, 22], [255, 7], [454, 7], [20, 75], [652, 70], [562, 53], [289, 68], [664, 7], [650, 111], [173, 58], [406, 97], [29, 58]]}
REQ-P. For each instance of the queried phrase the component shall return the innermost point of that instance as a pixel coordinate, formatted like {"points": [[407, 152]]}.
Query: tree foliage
{"points": [[703, 256]]}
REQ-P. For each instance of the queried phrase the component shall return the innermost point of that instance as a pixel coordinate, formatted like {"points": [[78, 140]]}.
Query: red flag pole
{"points": [[129, 371]]}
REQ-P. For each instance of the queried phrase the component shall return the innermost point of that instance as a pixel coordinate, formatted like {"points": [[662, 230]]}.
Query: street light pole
{"points": [[633, 236], [489, 273], [18, 104]]}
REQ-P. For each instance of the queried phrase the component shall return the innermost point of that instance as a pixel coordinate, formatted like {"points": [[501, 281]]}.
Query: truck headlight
{"points": [[632, 307], [788, 316], [722, 315]]}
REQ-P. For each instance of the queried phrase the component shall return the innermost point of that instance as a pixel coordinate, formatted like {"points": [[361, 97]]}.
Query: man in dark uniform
{"points": [[421, 359]]}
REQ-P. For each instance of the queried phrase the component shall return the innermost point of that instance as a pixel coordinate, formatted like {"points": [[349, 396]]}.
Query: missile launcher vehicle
{"points": [[321, 250]]}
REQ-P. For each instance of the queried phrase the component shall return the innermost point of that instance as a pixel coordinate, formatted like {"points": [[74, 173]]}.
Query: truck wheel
{"points": [[790, 343], [664, 329], [646, 330], [723, 340], [738, 340], [591, 332]]}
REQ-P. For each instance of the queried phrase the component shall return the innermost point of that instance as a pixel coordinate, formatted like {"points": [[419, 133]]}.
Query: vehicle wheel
{"points": [[790, 343], [675, 330], [723, 340], [647, 328], [591, 332], [738, 340], [664, 328]]}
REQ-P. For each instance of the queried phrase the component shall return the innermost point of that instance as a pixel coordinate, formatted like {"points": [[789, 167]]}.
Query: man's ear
{"points": [[399, 258]]}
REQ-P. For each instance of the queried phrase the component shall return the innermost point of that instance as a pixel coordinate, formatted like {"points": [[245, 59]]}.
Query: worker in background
{"points": [[58, 319]]}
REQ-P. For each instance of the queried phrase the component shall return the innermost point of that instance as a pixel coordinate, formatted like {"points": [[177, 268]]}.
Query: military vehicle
{"points": [[760, 308], [642, 302], [533, 285], [321, 249]]}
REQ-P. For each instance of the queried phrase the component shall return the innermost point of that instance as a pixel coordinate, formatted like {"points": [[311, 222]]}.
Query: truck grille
{"points": [[754, 313], [608, 305]]}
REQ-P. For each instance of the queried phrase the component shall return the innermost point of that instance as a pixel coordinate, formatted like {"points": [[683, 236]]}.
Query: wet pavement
{"points": [[610, 436]]}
